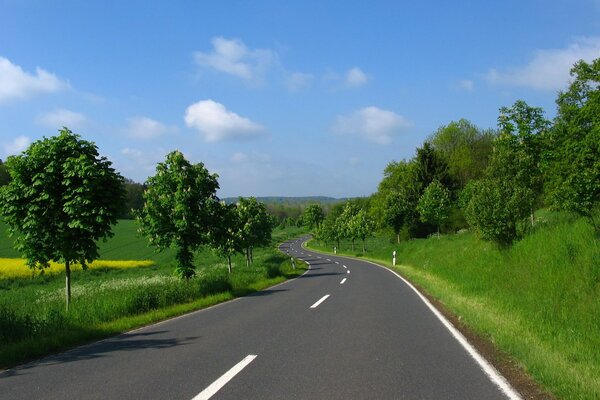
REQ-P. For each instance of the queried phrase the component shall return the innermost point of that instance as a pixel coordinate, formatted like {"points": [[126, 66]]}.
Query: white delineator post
{"points": [[334, 250], [394, 258]]}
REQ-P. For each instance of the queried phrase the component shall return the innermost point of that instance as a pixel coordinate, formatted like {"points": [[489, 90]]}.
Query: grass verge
{"points": [[537, 301], [108, 301]]}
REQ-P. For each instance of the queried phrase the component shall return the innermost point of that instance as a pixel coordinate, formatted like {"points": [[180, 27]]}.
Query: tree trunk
{"points": [[532, 217], [68, 283], [438, 232], [229, 261], [398, 238], [247, 256], [353, 245], [251, 255], [364, 250]]}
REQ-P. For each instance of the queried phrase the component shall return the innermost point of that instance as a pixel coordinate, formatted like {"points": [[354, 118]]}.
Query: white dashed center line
{"points": [[342, 282], [226, 377], [322, 299]]}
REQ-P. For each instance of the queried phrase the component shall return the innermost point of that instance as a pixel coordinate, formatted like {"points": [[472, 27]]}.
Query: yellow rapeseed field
{"points": [[17, 268]]}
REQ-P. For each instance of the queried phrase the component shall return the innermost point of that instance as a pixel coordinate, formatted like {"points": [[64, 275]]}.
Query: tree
{"points": [[397, 211], [63, 197], [522, 129], [572, 159], [225, 235], [134, 198], [434, 204], [179, 210], [360, 226], [4, 176], [429, 167], [256, 225], [346, 221], [313, 216], [465, 148], [494, 207]]}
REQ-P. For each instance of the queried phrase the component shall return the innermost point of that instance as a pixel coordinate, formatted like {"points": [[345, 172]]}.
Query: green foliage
{"points": [[4, 175], [429, 167], [134, 198], [256, 225], [313, 215], [179, 210], [434, 204], [225, 236], [465, 148], [398, 210], [572, 160], [62, 199], [494, 208]]}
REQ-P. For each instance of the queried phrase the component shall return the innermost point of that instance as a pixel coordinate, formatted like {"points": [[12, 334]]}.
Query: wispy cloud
{"points": [[467, 85], [372, 124], [233, 57], [16, 146], [60, 117], [356, 77], [299, 80], [15, 83], [216, 123], [146, 128], [548, 69]]}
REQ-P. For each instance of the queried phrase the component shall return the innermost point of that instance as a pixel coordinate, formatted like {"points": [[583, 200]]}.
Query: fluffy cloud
{"points": [[466, 85], [234, 58], [146, 128], [216, 123], [298, 81], [356, 77], [548, 69], [16, 146], [58, 118], [18, 84], [372, 123]]}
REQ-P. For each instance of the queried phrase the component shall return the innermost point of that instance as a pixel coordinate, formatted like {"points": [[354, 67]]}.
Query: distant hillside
{"points": [[292, 200]]}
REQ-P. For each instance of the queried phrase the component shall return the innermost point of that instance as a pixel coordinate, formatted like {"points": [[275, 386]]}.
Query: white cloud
{"points": [[356, 77], [146, 128], [298, 81], [354, 161], [548, 69], [466, 85], [372, 123], [231, 56], [216, 123], [58, 118], [18, 84], [16, 146]]}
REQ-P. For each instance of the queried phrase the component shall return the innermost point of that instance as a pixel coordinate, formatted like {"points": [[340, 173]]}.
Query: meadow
{"points": [[537, 301], [115, 295]]}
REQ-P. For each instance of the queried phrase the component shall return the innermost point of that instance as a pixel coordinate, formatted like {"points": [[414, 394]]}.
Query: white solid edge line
{"points": [[226, 377], [322, 299], [342, 282], [488, 368]]}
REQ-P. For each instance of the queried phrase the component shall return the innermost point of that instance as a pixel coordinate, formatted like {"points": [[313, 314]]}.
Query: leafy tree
{"points": [[179, 210], [62, 199], [522, 129], [465, 148], [434, 204], [313, 216], [134, 198], [397, 211], [256, 225], [360, 226], [346, 221], [429, 167], [4, 176], [494, 208], [225, 235], [572, 160]]}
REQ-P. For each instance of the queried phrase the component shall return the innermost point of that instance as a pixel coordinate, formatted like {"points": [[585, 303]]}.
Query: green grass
{"points": [[33, 321], [538, 301]]}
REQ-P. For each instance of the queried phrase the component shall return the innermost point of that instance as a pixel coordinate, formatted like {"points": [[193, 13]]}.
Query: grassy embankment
{"points": [[113, 297], [538, 301]]}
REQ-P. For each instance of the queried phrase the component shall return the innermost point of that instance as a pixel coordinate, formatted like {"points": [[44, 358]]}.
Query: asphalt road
{"points": [[373, 337]]}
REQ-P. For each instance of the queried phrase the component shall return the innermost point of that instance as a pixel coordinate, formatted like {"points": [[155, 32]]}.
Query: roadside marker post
{"points": [[293, 263], [394, 259], [334, 250]]}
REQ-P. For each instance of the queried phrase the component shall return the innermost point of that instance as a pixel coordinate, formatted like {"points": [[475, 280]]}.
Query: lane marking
{"points": [[307, 263], [337, 262], [322, 299], [328, 260], [319, 257], [226, 377], [343, 280], [344, 266], [348, 271]]}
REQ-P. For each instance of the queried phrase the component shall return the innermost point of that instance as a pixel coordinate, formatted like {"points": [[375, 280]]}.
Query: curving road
{"points": [[344, 330]]}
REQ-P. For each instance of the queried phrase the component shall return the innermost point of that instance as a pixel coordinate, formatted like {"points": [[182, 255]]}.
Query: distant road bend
{"points": [[344, 330]]}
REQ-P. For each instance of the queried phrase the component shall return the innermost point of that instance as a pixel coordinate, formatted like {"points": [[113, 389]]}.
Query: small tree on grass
{"points": [[397, 211], [179, 210], [434, 205], [225, 236], [360, 226], [62, 198], [313, 216], [256, 225]]}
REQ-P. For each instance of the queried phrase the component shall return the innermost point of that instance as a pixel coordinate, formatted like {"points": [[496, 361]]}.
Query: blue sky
{"points": [[310, 98]]}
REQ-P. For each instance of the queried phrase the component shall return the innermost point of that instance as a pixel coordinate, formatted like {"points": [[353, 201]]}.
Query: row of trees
{"points": [[63, 197], [491, 180]]}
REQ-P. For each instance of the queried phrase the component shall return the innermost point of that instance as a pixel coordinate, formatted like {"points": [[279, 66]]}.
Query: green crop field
{"points": [[539, 300], [106, 301]]}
